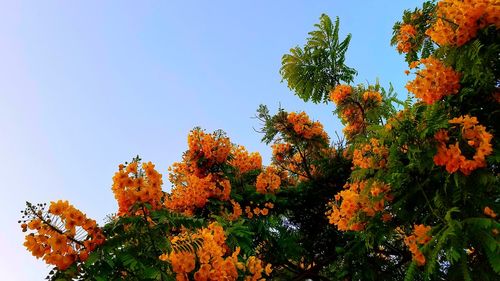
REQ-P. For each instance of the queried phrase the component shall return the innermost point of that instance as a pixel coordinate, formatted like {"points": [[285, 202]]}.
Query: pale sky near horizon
{"points": [[87, 85]]}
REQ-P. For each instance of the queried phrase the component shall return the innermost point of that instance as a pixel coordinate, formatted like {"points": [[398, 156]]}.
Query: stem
{"points": [[363, 115], [290, 170], [429, 204], [149, 233], [304, 163], [450, 22]]}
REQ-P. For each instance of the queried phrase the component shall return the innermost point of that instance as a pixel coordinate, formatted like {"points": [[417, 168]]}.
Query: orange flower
{"points": [[406, 33], [489, 212], [58, 207], [353, 116], [458, 21], [268, 181], [195, 192], [194, 179], [305, 128], [421, 232], [475, 136], [182, 262], [255, 268], [236, 211], [269, 205], [420, 236], [258, 211], [243, 161], [372, 97], [57, 244], [386, 217], [414, 64], [212, 256], [339, 93], [370, 156], [268, 269], [281, 151], [142, 186], [357, 198], [214, 145], [434, 82], [34, 224]]}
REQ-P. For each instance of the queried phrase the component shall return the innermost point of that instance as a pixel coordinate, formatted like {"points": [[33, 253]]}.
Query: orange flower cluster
{"points": [[360, 200], [371, 156], [194, 178], [304, 127], [352, 111], [255, 267], [206, 150], [211, 260], [372, 97], [459, 20], [132, 185], [434, 82], [489, 212], [339, 93], [353, 115], [268, 181], [236, 211], [193, 192], [281, 151], [210, 256], [420, 236], [406, 33], [474, 136], [244, 161], [258, 211], [55, 239]]}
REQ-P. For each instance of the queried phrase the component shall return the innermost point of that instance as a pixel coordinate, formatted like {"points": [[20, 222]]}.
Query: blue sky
{"points": [[85, 86]]}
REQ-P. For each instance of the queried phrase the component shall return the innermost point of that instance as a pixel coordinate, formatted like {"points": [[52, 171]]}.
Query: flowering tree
{"points": [[410, 192]]}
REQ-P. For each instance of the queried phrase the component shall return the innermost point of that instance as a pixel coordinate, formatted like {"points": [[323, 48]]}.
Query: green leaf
{"points": [[312, 71], [93, 257], [152, 273]]}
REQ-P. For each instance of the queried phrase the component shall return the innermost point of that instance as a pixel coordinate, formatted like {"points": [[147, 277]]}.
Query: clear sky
{"points": [[87, 85]]}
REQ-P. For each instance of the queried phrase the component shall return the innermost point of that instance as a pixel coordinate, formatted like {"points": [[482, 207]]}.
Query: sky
{"points": [[87, 85]]}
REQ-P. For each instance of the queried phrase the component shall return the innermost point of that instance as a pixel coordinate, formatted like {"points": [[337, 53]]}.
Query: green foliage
{"points": [[133, 245], [238, 235], [312, 71]]}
